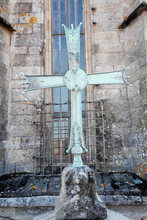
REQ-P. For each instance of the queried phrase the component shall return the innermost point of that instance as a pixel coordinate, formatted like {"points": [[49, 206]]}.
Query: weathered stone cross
{"points": [[75, 80]]}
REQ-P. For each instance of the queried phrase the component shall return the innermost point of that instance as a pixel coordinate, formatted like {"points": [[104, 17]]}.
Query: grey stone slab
{"points": [[33, 201], [25, 7]]}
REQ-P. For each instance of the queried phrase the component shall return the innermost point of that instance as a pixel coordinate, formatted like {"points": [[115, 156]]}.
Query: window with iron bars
{"points": [[56, 124], [53, 129], [51, 137]]}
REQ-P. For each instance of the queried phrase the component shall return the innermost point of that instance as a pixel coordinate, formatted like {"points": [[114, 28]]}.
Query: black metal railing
{"points": [[52, 132]]}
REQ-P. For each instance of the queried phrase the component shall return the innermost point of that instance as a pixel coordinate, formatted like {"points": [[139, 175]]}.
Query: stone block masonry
{"points": [[4, 90], [121, 137], [27, 56], [4, 9], [108, 55], [120, 115], [114, 49], [135, 55]]}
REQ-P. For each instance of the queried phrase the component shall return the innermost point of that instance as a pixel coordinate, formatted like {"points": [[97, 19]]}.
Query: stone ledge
{"points": [[124, 200], [37, 201], [34, 201]]}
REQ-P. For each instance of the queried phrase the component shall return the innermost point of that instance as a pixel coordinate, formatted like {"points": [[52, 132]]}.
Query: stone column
{"points": [[78, 197]]}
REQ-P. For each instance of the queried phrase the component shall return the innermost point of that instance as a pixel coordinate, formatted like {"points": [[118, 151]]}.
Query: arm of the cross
{"points": [[116, 77], [42, 82]]}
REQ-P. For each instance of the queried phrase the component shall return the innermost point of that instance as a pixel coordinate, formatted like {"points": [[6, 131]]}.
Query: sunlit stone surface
{"points": [[78, 196], [112, 215]]}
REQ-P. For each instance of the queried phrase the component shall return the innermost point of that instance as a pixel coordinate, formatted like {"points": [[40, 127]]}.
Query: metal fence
{"points": [[51, 137]]}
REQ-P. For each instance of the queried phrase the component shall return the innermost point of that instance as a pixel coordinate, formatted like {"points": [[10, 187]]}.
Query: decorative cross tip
{"points": [[124, 77], [72, 26], [24, 82]]}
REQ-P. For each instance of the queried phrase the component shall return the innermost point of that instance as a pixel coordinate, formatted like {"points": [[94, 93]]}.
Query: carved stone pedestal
{"points": [[78, 197]]}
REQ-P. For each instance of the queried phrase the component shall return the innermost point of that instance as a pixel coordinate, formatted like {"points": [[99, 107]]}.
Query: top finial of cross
{"points": [[72, 26], [73, 45]]}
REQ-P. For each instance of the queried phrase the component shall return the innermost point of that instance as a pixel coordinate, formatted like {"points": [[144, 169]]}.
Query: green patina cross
{"points": [[75, 80]]}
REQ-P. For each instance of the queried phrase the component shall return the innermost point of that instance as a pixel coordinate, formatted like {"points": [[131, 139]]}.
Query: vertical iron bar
{"points": [[103, 129], [35, 147], [76, 14]]}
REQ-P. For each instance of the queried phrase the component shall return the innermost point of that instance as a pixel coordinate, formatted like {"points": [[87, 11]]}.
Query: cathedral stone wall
{"points": [[108, 55], [135, 38], [124, 114], [109, 49], [5, 9], [27, 45], [4, 92]]}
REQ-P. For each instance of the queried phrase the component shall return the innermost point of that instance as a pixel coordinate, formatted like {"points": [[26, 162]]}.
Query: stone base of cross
{"points": [[75, 80]]}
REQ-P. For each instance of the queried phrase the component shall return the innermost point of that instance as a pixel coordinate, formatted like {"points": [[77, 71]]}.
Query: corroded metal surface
{"points": [[42, 82], [75, 79], [73, 45], [117, 77]]}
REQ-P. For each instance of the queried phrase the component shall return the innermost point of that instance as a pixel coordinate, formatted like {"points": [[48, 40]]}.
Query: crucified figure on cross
{"points": [[75, 80]]}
